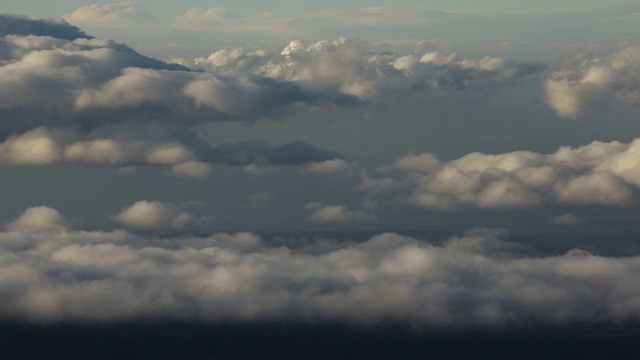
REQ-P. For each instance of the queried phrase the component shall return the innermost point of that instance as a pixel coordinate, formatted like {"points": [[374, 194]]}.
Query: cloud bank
{"points": [[183, 152], [478, 279], [53, 81], [353, 67], [598, 174]]}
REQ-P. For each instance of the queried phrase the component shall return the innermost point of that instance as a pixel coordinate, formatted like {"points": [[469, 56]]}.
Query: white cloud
{"points": [[355, 67], [606, 174], [478, 279], [331, 166], [126, 14], [153, 215], [38, 219], [56, 82], [585, 83], [335, 213], [196, 169]]}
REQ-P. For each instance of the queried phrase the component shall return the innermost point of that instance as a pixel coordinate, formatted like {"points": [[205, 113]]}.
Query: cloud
{"points": [[192, 168], [192, 156], [354, 67], [269, 24], [331, 166], [56, 82], [261, 152], [476, 280], [38, 220], [43, 146], [23, 26], [598, 174], [582, 83], [335, 213], [566, 219], [153, 215], [126, 14]]}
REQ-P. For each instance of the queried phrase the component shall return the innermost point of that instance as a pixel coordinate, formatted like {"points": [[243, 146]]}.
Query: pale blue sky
{"points": [[164, 8]]}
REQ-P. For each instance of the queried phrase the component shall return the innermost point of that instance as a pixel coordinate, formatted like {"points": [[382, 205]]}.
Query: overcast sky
{"points": [[150, 150]]}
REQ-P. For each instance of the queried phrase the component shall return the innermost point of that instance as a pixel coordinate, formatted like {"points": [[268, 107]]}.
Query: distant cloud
{"points": [[583, 83], [261, 152], [605, 174], [335, 213], [153, 215], [332, 166], [566, 219], [23, 26], [38, 220], [55, 82], [126, 14], [192, 168], [353, 67]]}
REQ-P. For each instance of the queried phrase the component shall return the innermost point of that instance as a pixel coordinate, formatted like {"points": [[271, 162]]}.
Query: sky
{"points": [[250, 163]]}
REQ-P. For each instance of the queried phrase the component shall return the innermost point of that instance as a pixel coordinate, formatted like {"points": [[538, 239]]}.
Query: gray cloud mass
{"points": [[479, 279]]}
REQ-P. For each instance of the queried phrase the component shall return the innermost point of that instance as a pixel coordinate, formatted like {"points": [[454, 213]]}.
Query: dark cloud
{"points": [[262, 153], [20, 25]]}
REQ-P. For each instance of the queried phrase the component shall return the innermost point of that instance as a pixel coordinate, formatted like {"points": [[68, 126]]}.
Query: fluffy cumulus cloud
{"points": [[58, 80], [354, 67], [184, 153], [38, 219], [478, 279], [153, 215], [600, 174], [335, 213], [583, 83], [67, 97]]}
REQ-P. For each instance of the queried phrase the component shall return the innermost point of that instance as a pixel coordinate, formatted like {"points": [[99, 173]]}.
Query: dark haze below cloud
{"points": [[277, 340]]}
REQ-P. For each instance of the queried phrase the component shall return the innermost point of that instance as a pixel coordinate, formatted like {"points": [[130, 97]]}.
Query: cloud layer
{"points": [[354, 67], [478, 279], [183, 151], [53, 81], [598, 174]]}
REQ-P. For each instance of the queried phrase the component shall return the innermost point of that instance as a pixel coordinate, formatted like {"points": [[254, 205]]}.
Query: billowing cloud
{"points": [[601, 174], [478, 279], [37, 220], [335, 213], [583, 83], [353, 67], [53, 81], [153, 215]]}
